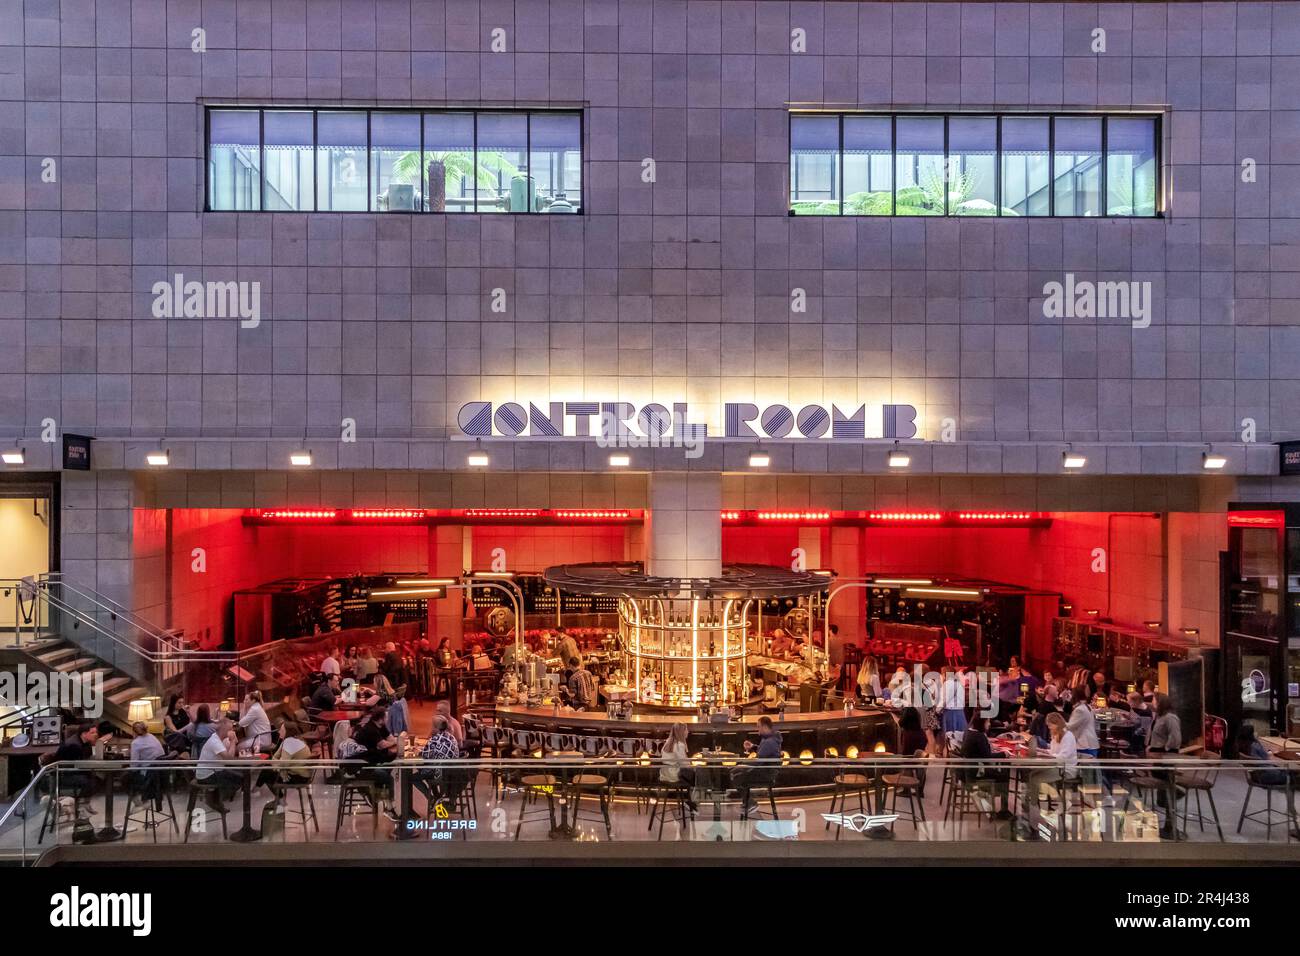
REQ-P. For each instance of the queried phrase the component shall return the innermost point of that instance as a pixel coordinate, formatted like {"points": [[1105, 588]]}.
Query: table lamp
{"points": [[140, 709]]}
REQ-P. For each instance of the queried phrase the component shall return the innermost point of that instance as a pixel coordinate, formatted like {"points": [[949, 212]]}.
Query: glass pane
{"points": [[972, 159], [449, 161], [918, 164], [503, 183], [1131, 166], [814, 165], [234, 180], [868, 166], [395, 162], [1077, 166], [290, 179], [1026, 166], [341, 161], [555, 162]]}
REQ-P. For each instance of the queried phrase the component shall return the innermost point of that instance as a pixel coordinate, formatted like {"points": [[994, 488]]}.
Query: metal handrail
{"points": [[161, 635]]}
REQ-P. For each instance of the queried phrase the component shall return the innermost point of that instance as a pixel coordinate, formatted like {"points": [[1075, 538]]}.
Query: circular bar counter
{"points": [[821, 733]]}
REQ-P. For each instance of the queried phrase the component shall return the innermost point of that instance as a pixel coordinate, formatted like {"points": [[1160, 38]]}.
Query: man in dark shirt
{"points": [[975, 746], [78, 745], [372, 733], [326, 693], [763, 775]]}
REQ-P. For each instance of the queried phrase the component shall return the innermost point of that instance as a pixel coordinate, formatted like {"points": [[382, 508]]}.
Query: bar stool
{"points": [[1267, 815], [357, 792], [909, 784], [591, 785], [847, 784], [306, 809], [533, 786], [145, 807], [670, 799], [209, 787], [1198, 782]]}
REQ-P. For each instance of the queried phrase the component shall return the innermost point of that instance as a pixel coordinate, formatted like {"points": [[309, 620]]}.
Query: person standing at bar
{"points": [[568, 648], [1166, 738]]}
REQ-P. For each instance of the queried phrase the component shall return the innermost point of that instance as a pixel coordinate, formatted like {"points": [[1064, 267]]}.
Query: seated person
{"points": [[221, 745], [292, 751], [78, 744], [200, 729], [768, 750], [326, 693], [975, 746], [1250, 748], [437, 784]]}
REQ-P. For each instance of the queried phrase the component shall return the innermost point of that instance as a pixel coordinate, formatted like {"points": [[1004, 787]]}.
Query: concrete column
{"points": [[446, 543], [849, 609], [684, 527]]}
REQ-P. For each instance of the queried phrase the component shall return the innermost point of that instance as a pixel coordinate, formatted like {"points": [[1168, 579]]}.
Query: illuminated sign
{"points": [[611, 421]]}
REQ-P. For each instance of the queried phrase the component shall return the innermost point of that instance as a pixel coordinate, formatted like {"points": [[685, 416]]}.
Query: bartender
{"points": [[782, 643]]}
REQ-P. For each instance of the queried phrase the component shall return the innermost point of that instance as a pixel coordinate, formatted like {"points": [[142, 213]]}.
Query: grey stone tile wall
{"points": [[680, 287]]}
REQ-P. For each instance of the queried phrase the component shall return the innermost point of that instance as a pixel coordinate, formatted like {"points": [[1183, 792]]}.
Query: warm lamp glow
{"points": [[805, 757], [140, 709], [852, 752], [832, 751], [880, 748]]}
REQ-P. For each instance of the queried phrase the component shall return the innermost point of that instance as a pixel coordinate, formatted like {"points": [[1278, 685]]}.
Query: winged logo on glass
{"points": [[861, 822]]}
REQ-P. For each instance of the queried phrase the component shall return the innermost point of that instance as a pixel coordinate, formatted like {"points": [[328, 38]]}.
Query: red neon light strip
{"points": [[793, 516], [368, 513], [906, 516], [296, 514], [502, 512], [590, 513], [1255, 519]]}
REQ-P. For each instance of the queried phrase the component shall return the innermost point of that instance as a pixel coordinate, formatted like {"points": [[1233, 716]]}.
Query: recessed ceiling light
{"points": [[1072, 459], [478, 459], [159, 458], [301, 459], [14, 456], [899, 458], [759, 459], [619, 460], [1213, 462]]}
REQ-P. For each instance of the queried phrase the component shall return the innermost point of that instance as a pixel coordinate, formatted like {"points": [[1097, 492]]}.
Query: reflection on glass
{"points": [[341, 162], [234, 178], [1026, 166], [1077, 166], [555, 161], [972, 162], [814, 165], [503, 181], [449, 162], [1130, 166], [919, 166], [868, 166], [290, 179], [395, 162]]}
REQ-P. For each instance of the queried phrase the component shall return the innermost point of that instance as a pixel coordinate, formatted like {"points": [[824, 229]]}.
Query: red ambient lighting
{"points": [[906, 517], [995, 515], [502, 512], [1255, 519], [295, 514], [803, 516], [597, 514], [368, 514]]}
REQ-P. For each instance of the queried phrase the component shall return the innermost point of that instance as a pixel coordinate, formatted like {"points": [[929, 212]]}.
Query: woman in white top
{"points": [[257, 726], [1083, 725], [674, 762], [1065, 753]]}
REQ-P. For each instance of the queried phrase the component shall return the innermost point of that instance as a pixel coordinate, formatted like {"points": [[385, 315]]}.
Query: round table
{"points": [[334, 716], [246, 833]]}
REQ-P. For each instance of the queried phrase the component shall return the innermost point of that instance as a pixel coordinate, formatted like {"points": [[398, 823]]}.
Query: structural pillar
{"points": [[446, 560], [684, 526]]}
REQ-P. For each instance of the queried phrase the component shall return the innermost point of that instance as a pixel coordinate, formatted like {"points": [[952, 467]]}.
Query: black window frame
{"points": [[1051, 116], [527, 112]]}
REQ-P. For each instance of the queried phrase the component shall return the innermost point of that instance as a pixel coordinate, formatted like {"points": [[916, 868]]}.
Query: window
{"points": [[814, 165], [555, 161], [930, 164], [234, 160], [972, 166], [868, 165], [918, 166], [449, 172], [1026, 166], [1130, 166], [1076, 165], [290, 182], [341, 162], [338, 160], [503, 181]]}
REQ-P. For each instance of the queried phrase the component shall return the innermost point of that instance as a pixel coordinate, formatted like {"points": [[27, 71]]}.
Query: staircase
{"points": [[53, 654], [65, 628]]}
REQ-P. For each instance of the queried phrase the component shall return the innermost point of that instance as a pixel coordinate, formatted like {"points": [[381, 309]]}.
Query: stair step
{"points": [[114, 683], [52, 657], [122, 698], [74, 665]]}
